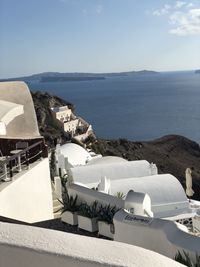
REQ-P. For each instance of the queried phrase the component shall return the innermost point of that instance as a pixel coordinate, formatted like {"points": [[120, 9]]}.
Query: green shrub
{"points": [[52, 164]]}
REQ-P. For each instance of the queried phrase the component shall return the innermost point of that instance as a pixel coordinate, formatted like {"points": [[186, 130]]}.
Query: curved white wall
{"points": [[26, 246], [89, 196], [25, 125], [158, 235], [29, 196]]}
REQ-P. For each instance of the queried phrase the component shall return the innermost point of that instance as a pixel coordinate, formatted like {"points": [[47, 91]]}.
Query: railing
{"points": [[13, 163]]}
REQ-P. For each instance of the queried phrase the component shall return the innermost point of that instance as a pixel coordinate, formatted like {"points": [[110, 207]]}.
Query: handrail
{"points": [[21, 152], [9, 160]]}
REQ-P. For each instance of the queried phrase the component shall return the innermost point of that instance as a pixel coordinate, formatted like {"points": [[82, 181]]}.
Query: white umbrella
{"points": [[188, 176]]}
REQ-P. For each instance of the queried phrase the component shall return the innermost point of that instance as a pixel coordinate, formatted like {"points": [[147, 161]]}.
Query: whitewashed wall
{"points": [[28, 197], [26, 246], [159, 235], [89, 196]]}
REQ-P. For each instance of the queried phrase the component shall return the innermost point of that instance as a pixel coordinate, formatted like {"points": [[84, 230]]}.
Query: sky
{"points": [[98, 36]]}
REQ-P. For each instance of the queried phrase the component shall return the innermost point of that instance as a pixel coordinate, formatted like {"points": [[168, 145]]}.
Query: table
{"points": [[13, 152]]}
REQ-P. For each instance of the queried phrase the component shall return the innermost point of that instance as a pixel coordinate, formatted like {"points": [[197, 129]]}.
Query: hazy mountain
{"points": [[75, 76]]}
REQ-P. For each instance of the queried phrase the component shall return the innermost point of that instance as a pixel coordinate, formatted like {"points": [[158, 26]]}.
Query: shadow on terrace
{"points": [[17, 155]]}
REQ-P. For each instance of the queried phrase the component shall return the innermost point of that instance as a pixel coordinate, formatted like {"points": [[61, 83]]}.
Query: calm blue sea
{"points": [[142, 107]]}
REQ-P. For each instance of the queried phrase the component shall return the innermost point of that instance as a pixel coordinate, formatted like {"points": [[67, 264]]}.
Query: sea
{"points": [[139, 108]]}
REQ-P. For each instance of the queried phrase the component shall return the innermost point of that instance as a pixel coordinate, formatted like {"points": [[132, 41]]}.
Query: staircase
{"points": [[57, 206]]}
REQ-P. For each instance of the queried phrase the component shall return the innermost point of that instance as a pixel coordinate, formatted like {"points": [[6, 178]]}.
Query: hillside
{"points": [[43, 103], [172, 154]]}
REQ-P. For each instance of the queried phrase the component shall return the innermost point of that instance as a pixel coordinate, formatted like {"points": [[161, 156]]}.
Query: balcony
{"points": [[13, 161]]}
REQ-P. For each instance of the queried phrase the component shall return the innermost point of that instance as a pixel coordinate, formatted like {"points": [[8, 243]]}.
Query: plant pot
{"points": [[106, 229], [88, 224], [69, 217]]}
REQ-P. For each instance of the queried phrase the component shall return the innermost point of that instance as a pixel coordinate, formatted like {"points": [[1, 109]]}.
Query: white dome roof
{"points": [[92, 173], [166, 192], [76, 154], [106, 160]]}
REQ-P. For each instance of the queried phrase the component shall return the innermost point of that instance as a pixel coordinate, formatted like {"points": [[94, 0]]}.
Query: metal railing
{"points": [[28, 155]]}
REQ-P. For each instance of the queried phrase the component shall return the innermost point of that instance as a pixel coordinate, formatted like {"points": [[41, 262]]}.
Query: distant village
{"points": [[71, 125]]}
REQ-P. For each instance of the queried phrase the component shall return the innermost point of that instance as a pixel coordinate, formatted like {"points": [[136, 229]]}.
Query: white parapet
{"points": [[28, 197], [161, 236], [23, 246]]}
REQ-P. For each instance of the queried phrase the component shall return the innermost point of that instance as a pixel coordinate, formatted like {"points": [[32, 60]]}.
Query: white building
{"points": [[168, 198], [75, 154], [26, 195], [71, 125]]}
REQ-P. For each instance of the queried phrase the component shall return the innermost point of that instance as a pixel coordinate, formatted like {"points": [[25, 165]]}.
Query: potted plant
{"points": [[105, 223], [88, 217], [69, 209]]}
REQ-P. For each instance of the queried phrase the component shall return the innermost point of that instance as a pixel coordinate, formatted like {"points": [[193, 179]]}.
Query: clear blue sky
{"points": [[98, 35]]}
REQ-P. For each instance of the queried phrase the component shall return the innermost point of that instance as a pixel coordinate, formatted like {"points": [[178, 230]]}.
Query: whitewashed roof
{"points": [[76, 154], [106, 160], [24, 125], [92, 173], [167, 195]]}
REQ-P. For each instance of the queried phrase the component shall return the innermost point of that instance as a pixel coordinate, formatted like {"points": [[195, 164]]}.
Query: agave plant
{"points": [[106, 213], [69, 203], [186, 260], [89, 211], [120, 195]]}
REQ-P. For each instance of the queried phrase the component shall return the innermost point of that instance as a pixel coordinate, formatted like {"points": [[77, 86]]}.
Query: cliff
{"points": [[43, 103]]}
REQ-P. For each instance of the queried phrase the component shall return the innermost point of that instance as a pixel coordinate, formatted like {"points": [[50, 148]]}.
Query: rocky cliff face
{"points": [[172, 154]]}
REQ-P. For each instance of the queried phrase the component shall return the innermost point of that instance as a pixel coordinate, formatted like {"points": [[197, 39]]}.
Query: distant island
{"points": [[69, 79], [197, 71], [77, 76]]}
